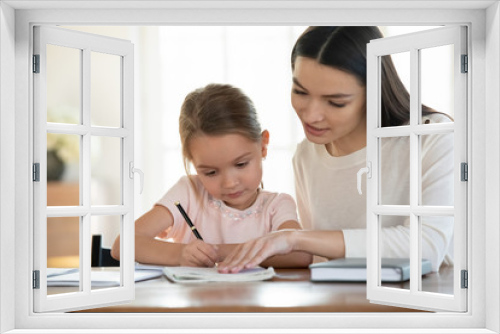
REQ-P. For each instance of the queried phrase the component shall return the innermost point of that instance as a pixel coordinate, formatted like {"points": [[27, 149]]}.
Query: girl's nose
{"points": [[229, 181]]}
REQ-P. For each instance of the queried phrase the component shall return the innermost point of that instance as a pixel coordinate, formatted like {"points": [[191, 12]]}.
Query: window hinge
{"points": [[464, 171], [465, 64], [36, 279], [465, 279], [36, 172], [36, 63]]}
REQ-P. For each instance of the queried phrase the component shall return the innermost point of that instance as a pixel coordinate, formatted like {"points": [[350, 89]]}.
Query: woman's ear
{"points": [[264, 141]]}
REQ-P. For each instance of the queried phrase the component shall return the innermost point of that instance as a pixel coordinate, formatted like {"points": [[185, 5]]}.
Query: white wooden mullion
{"points": [[392, 210], [127, 226], [406, 210], [76, 211], [372, 156], [392, 131], [109, 132], [86, 178], [40, 156], [420, 129], [78, 129], [434, 128], [414, 170], [460, 138]]}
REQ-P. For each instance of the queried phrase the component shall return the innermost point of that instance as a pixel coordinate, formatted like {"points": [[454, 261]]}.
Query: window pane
{"points": [[437, 172], [63, 250], [105, 89], [395, 171], [106, 171], [63, 158], [437, 233], [108, 228], [63, 84], [393, 228], [393, 67], [437, 80]]}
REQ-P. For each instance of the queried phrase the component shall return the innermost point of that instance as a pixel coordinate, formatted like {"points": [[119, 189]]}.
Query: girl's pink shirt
{"points": [[220, 224]]}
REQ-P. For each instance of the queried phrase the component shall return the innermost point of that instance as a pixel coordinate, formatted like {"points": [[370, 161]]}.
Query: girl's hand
{"points": [[198, 254], [254, 252]]}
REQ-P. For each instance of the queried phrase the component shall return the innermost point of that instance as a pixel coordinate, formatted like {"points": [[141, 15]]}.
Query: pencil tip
{"points": [[177, 203]]}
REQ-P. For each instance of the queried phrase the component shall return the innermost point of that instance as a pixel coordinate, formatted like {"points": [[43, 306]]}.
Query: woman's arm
{"points": [[149, 249], [286, 242], [278, 257]]}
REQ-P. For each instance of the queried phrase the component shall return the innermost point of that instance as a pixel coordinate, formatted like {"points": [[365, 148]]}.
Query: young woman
{"points": [[329, 97], [222, 138]]}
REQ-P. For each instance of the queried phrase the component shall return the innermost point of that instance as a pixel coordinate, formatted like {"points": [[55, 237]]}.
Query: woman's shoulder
{"points": [[302, 146], [305, 149]]}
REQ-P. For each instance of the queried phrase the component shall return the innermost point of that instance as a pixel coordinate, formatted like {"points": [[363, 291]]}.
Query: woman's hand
{"points": [[198, 254], [254, 252]]}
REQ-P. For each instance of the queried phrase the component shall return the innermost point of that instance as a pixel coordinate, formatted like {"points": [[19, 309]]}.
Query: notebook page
{"points": [[201, 275]]}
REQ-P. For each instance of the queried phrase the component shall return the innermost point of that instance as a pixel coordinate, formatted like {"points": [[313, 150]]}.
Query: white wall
{"points": [[492, 162], [7, 160]]}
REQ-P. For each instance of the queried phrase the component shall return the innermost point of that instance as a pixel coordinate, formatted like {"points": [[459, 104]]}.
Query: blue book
{"points": [[354, 270]]}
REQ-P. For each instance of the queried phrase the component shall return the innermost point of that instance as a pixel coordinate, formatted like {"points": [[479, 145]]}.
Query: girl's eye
{"points": [[210, 173], [241, 164], [336, 105]]}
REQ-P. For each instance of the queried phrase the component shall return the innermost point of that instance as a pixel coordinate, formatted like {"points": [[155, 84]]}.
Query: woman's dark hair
{"points": [[344, 48]]}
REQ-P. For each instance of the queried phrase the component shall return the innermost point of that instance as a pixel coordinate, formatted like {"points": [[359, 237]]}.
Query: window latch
{"points": [[133, 170], [368, 171]]}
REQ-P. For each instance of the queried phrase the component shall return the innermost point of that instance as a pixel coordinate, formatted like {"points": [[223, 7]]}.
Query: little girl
{"points": [[222, 139]]}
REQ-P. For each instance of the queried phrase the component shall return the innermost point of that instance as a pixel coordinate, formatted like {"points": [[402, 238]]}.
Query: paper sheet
{"points": [[202, 275]]}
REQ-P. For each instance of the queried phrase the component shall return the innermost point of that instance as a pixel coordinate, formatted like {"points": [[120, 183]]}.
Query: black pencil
{"points": [[188, 221]]}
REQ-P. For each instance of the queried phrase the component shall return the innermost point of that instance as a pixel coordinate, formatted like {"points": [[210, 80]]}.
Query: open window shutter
{"points": [[91, 138], [420, 216]]}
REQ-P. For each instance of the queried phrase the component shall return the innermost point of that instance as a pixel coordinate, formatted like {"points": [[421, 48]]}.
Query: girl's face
{"points": [[230, 166], [331, 105]]}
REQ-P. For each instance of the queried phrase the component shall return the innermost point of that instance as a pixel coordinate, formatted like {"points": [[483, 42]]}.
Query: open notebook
{"points": [[202, 275]]}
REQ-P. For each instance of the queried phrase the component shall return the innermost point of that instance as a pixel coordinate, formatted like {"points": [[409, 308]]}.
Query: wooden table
{"points": [[290, 291]]}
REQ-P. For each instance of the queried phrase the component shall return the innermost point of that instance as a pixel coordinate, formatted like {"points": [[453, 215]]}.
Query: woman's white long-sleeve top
{"points": [[328, 199]]}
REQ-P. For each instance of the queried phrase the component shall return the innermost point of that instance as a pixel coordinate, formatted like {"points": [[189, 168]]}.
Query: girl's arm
{"points": [[149, 249]]}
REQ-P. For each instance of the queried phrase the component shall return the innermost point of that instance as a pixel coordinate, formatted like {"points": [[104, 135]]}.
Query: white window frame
{"points": [[483, 20], [413, 44], [86, 44]]}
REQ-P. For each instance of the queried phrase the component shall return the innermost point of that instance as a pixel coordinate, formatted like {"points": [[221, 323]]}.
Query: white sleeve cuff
{"points": [[355, 243]]}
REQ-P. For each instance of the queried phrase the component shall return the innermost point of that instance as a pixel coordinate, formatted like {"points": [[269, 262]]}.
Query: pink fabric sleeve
{"points": [[282, 209]]}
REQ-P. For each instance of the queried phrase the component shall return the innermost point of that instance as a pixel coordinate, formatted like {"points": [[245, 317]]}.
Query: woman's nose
{"points": [[313, 112]]}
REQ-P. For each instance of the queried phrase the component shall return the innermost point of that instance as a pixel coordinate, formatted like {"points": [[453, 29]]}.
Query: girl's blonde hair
{"points": [[214, 110]]}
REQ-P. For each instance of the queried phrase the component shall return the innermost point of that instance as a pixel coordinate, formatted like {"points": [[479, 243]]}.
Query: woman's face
{"points": [[331, 105]]}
